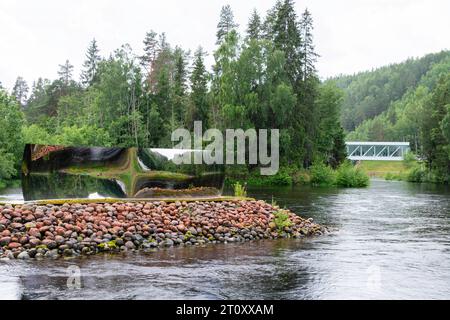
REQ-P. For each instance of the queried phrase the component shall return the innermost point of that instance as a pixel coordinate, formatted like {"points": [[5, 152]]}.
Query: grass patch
{"points": [[282, 220], [381, 169], [239, 190]]}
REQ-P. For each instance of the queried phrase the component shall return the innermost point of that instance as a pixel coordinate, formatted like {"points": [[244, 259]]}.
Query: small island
{"points": [[83, 227]]}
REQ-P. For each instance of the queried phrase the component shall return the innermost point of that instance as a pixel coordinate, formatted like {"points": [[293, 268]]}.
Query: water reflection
{"points": [[55, 172]]}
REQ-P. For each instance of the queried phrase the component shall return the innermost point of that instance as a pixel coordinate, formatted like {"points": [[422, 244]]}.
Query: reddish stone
{"points": [[34, 242], [14, 245], [34, 232], [5, 241], [105, 224], [6, 233]]}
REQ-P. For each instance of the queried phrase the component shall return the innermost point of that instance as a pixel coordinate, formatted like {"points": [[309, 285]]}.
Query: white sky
{"points": [[350, 35]]}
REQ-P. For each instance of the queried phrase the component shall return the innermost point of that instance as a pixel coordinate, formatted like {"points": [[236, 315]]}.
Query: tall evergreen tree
{"points": [[150, 50], [180, 72], [148, 59], [199, 108], [20, 91], [254, 28], [90, 65], [65, 73], [285, 34], [180, 79], [226, 23], [308, 53]]}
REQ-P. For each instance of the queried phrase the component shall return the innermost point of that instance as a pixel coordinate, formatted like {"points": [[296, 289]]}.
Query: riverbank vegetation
{"points": [[345, 175], [409, 101], [264, 77]]}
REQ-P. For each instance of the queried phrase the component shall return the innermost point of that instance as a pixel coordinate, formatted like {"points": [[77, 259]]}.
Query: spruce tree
{"points": [[199, 89], [308, 53], [254, 28], [90, 65], [20, 91], [285, 32], [226, 23], [65, 73], [180, 71]]}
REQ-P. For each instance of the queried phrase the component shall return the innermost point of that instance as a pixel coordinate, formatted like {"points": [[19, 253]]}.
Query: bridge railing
{"points": [[389, 151]]}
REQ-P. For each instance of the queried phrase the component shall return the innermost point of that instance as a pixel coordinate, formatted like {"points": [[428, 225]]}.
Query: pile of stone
{"points": [[37, 231]]}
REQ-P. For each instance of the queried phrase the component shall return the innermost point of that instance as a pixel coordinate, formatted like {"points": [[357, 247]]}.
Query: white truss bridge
{"points": [[388, 151]]}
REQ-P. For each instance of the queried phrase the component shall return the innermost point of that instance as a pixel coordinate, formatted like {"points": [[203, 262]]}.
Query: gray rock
{"points": [[167, 243], [52, 254], [193, 231], [23, 256], [129, 245], [39, 255]]}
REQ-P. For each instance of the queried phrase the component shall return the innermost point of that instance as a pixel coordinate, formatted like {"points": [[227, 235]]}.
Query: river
{"points": [[389, 241]]}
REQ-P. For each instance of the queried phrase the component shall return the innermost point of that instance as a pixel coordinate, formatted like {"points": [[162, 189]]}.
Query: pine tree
{"points": [[308, 53], [254, 30], [226, 23], [90, 65], [148, 59], [20, 91], [65, 73], [150, 50]]}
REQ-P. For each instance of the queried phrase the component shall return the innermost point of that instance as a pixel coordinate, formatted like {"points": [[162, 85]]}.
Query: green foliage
{"points": [[416, 174], [110, 245], [393, 176], [264, 80], [281, 178], [282, 220], [348, 175], [11, 120], [409, 159], [321, 174], [418, 114], [371, 93], [7, 169], [188, 235], [83, 136], [239, 190]]}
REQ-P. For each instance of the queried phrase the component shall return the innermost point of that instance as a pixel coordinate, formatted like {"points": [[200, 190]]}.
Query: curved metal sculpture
{"points": [[60, 172]]}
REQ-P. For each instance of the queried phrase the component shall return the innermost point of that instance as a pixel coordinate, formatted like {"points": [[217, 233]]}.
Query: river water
{"points": [[389, 241]]}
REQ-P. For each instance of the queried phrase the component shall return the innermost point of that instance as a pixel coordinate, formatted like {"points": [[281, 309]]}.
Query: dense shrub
{"points": [[322, 175], [280, 179], [348, 175], [416, 174]]}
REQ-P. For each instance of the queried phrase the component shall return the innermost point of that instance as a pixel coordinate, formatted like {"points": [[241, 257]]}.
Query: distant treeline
{"points": [[265, 78], [409, 101]]}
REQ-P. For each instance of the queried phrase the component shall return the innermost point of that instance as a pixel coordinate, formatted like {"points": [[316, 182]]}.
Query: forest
{"points": [[409, 101], [263, 78]]}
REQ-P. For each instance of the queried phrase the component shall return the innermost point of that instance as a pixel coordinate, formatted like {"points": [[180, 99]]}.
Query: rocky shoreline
{"points": [[37, 231]]}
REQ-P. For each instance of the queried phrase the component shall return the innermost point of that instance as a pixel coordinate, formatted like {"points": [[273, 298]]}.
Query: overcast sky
{"points": [[350, 35]]}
